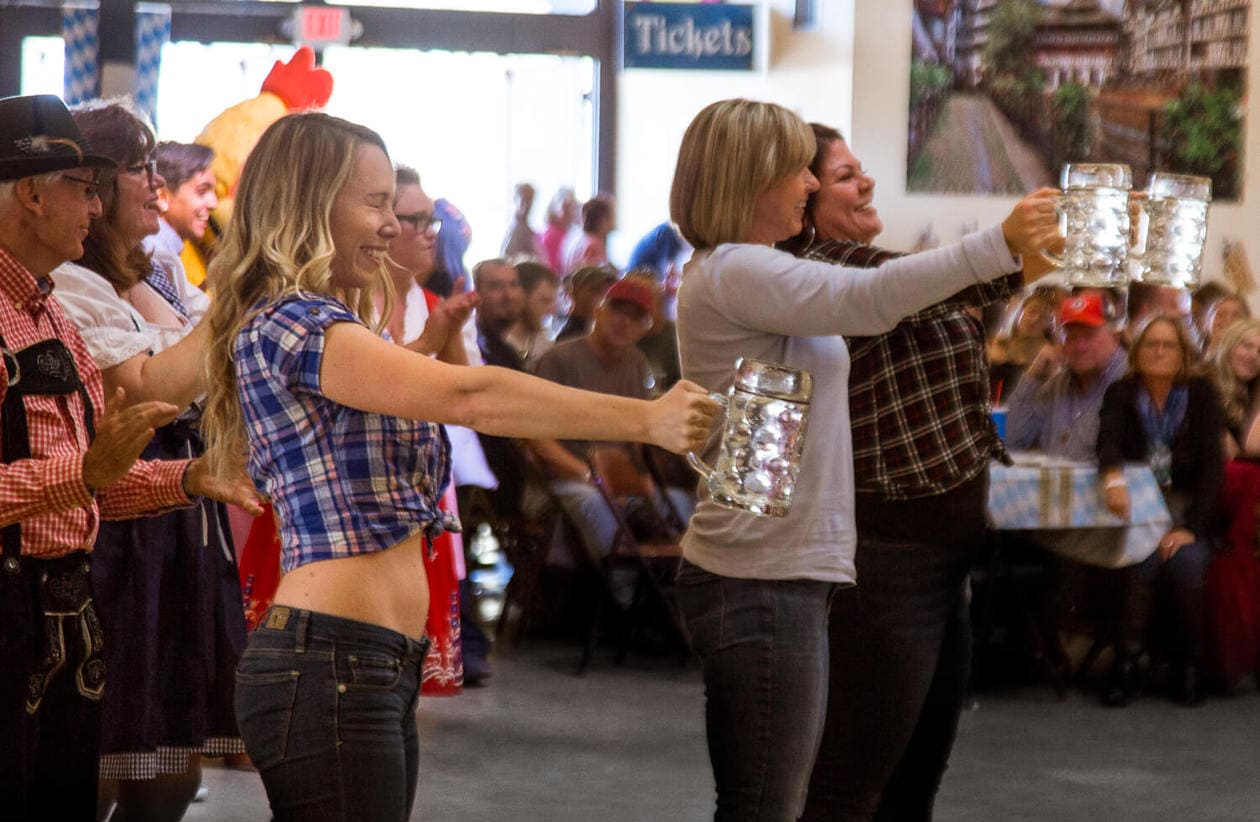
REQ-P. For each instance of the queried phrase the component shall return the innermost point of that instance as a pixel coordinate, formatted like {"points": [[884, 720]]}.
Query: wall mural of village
{"points": [[1003, 92]]}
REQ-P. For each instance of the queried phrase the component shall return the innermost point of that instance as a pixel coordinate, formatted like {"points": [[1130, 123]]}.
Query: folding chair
{"points": [[668, 470], [656, 559], [523, 541], [525, 538]]}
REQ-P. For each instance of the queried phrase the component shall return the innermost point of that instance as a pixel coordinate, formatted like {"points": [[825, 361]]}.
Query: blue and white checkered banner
{"points": [[153, 30], [78, 29]]}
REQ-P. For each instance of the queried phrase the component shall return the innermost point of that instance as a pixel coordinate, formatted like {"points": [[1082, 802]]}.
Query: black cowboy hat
{"points": [[38, 135]]}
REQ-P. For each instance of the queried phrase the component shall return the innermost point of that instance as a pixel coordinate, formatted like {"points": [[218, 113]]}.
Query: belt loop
{"points": [[303, 623]]}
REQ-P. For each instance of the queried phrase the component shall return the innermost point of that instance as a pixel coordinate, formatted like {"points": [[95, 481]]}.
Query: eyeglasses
{"points": [[1167, 345], [91, 188], [148, 168], [421, 222]]}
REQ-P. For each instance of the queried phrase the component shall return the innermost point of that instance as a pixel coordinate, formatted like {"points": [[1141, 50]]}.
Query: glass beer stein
{"points": [[1094, 220], [1172, 226], [759, 457]]}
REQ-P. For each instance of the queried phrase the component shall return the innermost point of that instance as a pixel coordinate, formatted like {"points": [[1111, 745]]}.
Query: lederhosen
{"points": [[47, 603]]}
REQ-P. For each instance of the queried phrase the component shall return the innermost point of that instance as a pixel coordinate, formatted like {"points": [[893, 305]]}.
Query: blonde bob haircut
{"points": [[278, 243], [733, 151]]}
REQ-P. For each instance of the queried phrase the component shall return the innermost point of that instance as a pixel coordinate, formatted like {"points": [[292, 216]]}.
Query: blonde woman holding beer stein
{"points": [[756, 591]]}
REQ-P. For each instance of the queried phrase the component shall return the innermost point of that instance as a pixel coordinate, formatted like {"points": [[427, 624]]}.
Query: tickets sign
{"points": [[708, 36]]}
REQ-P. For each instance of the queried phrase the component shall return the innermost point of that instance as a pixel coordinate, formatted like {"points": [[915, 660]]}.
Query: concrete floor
{"points": [[628, 744]]}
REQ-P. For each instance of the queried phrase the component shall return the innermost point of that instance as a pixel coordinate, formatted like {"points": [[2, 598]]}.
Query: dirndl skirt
{"points": [[169, 599]]}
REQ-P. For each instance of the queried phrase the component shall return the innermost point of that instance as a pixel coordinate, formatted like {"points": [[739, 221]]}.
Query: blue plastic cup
{"points": [[999, 421]]}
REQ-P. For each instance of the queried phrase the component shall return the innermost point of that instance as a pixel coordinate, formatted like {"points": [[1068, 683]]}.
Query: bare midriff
{"points": [[387, 588]]}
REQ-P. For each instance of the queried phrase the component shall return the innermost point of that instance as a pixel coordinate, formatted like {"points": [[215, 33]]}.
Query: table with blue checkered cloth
{"points": [[1061, 501]]}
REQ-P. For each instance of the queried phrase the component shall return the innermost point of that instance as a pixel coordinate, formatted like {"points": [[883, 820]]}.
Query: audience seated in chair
{"points": [[1232, 588], [1029, 330], [1165, 414], [645, 544], [584, 289], [1219, 315], [660, 343], [529, 335], [606, 360], [1055, 409]]}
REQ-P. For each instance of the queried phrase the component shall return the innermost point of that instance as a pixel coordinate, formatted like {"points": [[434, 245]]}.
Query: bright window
{"points": [[513, 6], [43, 65], [472, 124], [475, 124]]}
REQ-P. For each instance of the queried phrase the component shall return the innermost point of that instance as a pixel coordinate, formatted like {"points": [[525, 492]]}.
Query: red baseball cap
{"points": [[1086, 309], [633, 292]]}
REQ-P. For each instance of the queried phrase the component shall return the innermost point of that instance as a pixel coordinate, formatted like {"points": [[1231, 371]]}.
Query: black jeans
{"points": [[51, 681], [326, 707], [763, 645], [900, 660], [1183, 578]]}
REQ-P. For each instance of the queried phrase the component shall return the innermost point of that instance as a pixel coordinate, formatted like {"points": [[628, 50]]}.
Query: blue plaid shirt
{"points": [[342, 481]]}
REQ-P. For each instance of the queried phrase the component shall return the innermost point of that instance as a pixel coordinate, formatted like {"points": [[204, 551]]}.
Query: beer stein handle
{"points": [[1060, 203], [1139, 223], [698, 465]]}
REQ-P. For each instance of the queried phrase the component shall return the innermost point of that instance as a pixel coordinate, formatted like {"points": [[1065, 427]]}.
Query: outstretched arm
{"points": [[500, 401]]}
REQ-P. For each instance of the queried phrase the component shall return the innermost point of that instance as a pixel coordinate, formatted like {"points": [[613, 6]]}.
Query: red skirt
{"points": [[443, 674], [259, 564], [1232, 587]]}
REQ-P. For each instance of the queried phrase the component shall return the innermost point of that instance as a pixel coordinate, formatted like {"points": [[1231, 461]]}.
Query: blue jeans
{"points": [[588, 511], [763, 645], [326, 707], [1182, 577]]}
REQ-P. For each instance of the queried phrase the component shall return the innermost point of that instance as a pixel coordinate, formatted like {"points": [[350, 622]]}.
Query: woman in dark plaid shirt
{"points": [[922, 441]]}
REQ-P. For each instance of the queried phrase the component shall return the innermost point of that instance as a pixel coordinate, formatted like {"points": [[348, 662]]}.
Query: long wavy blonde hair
{"points": [[278, 243], [1235, 394]]}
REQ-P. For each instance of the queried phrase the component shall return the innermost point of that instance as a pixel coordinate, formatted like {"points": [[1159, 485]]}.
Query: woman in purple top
{"points": [[329, 417]]}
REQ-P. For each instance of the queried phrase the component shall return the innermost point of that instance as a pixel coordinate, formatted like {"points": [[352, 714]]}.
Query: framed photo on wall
{"points": [[1004, 92]]}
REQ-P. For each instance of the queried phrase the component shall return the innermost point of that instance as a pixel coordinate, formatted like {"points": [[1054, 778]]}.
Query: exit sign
{"points": [[322, 25]]}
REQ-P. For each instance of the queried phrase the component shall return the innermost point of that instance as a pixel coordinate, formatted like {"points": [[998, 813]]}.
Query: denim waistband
{"points": [[316, 629]]}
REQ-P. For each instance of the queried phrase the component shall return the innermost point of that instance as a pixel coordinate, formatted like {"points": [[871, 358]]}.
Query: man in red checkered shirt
{"points": [[67, 459]]}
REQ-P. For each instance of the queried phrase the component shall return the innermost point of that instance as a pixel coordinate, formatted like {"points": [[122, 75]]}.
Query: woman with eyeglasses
{"points": [[168, 587], [341, 430], [1166, 414]]}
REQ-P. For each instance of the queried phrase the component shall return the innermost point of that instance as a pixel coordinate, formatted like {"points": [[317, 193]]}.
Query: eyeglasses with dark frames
{"points": [[91, 188], [148, 168], [421, 222]]}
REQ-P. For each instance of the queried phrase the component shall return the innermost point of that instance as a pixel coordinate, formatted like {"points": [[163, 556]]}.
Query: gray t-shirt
{"points": [[753, 301], [573, 363]]}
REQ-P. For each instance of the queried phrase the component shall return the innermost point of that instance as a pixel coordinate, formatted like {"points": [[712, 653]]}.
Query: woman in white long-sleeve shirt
{"points": [[756, 591]]}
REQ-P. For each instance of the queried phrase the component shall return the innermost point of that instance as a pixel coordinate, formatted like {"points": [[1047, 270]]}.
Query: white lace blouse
{"points": [[112, 328]]}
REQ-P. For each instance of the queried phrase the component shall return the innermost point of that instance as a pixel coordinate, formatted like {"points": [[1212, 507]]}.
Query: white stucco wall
{"points": [[809, 72]]}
